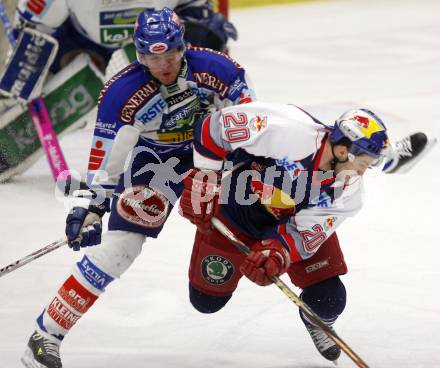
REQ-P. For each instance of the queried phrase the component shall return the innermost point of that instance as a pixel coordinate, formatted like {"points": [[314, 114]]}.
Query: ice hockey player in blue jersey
{"points": [[141, 149], [294, 181], [82, 39]]}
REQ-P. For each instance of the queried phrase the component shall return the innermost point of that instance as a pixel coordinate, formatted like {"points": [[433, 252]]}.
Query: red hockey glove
{"points": [[199, 200], [267, 258]]}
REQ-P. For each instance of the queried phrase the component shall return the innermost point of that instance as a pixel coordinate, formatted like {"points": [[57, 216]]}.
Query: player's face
{"points": [[355, 165], [164, 67]]}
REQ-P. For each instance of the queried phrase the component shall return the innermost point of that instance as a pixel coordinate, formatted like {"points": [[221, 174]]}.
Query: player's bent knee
{"points": [[326, 298], [205, 303]]}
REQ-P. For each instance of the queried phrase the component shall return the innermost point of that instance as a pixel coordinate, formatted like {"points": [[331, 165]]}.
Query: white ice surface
{"points": [[326, 56]]}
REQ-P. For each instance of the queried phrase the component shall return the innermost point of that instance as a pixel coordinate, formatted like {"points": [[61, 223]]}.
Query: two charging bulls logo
{"points": [[367, 125], [258, 123]]}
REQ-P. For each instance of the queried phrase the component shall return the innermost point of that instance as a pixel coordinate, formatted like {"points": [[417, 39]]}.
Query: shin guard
{"points": [[74, 298]]}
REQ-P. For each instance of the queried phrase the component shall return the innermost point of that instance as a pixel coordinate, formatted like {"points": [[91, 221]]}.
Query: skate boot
{"points": [[325, 345], [42, 352], [407, 152]]}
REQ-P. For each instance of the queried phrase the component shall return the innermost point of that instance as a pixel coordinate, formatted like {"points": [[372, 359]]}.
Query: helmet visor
{"points": [[170, 57], [376, 161]]}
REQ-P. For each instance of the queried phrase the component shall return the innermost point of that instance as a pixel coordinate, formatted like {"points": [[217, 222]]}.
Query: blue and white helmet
{"points": [[365, 130], [157, 31]]}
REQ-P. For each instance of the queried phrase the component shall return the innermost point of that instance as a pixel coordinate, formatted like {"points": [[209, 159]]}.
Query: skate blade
{"points": [[28, 360], [429, 145], [335, 362]]}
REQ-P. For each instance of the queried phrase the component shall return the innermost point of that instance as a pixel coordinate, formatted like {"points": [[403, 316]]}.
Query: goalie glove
{"points": [[199, 200], [84, 221], [268, 258], [206, 28]]}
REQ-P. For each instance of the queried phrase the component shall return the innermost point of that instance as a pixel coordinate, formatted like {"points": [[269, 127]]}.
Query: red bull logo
{"points": [[259, 123], [363, 121], [329, 223], [368, 126]]}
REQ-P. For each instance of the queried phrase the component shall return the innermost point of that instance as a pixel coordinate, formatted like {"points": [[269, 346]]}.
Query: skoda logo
{"points": [[217, 270]]}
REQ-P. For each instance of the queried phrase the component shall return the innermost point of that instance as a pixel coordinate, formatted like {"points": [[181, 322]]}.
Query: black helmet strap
{"points": [[336, 160]]}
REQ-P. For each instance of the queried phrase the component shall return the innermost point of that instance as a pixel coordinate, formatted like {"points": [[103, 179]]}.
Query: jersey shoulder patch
{"points": [[126, 93]]}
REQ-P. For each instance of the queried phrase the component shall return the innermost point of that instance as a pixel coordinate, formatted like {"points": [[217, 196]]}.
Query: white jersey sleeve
{"points": [[269, 130], [307, 230]]}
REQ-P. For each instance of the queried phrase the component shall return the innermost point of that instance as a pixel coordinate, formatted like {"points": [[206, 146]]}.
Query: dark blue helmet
{"points": [[157, 31], [365, 130]]}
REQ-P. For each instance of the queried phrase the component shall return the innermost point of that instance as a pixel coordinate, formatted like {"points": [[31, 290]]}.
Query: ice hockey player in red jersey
{"points": [[291, 182]]}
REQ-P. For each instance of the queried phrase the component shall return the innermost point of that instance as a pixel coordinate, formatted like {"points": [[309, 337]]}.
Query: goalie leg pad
{"points": [[29, 64], [69, 97]]}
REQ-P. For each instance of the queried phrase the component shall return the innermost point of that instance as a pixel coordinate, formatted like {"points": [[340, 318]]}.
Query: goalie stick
{"points": [[41, 120], [292, 296]]}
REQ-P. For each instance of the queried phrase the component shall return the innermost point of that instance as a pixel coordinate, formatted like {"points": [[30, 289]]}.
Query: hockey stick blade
{"points": [[223, 229], [33, 256]]}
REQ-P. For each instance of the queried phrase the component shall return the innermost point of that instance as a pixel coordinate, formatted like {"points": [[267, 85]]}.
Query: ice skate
{"points": [[42, 352], [325, 345], [408, 151]]}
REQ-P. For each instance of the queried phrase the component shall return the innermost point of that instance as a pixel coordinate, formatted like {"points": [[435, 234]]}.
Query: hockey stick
{"points": [[33, 256], [292, 296], [40, 118], [223, 8]]}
